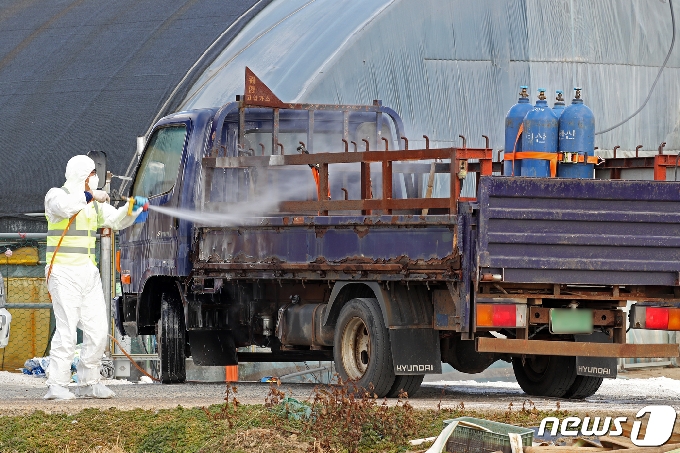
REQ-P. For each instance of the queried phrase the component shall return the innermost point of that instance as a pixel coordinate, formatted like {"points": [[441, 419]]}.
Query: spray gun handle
{"points": [[140, 202], [137, 202]]}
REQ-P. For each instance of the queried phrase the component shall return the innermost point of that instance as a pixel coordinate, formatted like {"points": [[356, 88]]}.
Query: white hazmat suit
{"points": [[74, 282]]}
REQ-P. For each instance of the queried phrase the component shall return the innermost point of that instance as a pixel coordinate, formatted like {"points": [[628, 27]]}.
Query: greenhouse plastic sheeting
{"points": [[454, 67], [81, 75]]}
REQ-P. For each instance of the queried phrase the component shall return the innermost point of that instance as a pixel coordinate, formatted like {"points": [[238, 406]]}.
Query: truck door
{"points": [[154, 243]]}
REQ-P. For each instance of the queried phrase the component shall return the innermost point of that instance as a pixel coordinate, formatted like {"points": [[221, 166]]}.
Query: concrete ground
{"points": [[632, 390]]}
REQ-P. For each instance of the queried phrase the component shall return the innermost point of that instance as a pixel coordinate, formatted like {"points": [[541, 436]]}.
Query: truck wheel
{"points": [[408, 383], [583, 387], [545, 375], [171, 340], [361, 349]]}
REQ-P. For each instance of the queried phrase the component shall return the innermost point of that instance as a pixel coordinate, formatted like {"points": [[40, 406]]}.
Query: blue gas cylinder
{"points": [[540, 136], [558, 107], [576, 140], [513, 120]]}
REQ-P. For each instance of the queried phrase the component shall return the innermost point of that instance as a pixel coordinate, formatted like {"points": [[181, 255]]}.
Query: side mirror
{"points": [[99, 158]]}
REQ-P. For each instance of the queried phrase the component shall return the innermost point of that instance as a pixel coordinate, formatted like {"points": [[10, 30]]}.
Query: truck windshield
{"points": [[158, 172]]}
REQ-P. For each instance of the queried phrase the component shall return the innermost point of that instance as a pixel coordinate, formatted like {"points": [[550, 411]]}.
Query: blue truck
{"points": [[317, 234]]}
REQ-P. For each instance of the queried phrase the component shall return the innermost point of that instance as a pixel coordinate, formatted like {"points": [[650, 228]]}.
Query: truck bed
{"points": [[405, 247], [581, 232]]}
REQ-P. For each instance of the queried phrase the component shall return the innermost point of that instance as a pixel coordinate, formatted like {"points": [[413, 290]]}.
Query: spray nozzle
{"points": [[577, 94], [541, 94], [524, 93], [559, 96]]}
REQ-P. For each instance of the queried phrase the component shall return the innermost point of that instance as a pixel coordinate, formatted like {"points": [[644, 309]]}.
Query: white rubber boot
{"points": [[57, 392], [94, 391]]}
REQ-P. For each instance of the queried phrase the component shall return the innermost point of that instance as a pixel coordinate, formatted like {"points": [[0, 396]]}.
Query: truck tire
{"points": [[583, 387], [361, 349], [171, 340], [545, 375], [408, 383]]}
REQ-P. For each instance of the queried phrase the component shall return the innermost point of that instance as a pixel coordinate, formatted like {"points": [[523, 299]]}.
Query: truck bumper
{"points": [[570, 348]]}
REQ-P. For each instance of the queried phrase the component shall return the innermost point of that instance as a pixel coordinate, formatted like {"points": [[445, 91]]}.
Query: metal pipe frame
{"points": [[29, 306], [21, 236], [367, 204], [659, 163]]}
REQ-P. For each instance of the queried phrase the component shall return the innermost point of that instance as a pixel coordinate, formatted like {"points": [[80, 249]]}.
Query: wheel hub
{"points": [[356, 348]]}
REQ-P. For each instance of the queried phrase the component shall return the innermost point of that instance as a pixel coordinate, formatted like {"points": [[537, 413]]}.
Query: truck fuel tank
{"points": [[302, 325]]}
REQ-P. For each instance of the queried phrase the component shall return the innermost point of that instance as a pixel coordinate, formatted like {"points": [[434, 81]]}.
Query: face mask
{"points": [[93, 182]]}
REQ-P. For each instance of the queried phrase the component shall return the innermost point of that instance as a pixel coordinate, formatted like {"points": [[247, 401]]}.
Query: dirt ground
{"points": [[644, 373], [631, 391]]}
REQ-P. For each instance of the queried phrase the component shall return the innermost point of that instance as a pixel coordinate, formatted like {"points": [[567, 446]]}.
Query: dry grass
{"points": [[258, 440], [338, 418]]}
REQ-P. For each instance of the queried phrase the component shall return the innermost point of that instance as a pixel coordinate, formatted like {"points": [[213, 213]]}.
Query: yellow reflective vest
{"points": [[78, 246]]}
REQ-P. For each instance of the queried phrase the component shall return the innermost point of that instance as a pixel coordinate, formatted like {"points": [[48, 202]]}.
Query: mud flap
{"points": [[415, 351], [212, 347], [604, 367]]}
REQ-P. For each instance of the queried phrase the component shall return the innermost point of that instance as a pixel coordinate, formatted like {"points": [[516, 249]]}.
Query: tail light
{"points": [[501, 315], [656, 318]]}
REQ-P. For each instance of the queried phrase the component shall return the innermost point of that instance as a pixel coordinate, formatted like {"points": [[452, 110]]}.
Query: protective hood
{"points": [[78, 169]]}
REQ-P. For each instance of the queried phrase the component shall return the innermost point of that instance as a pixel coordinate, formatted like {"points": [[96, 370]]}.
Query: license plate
{"points": [[571, 320]]}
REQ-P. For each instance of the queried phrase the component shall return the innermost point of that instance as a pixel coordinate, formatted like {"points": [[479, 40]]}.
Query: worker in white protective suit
{"points": [[74, 213]]}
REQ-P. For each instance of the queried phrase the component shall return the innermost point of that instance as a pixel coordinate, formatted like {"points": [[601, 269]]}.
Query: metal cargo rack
{"points": [[388, 159]]}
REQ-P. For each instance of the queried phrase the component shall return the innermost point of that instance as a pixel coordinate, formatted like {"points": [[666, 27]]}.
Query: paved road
{"points": [[622, 396]]}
